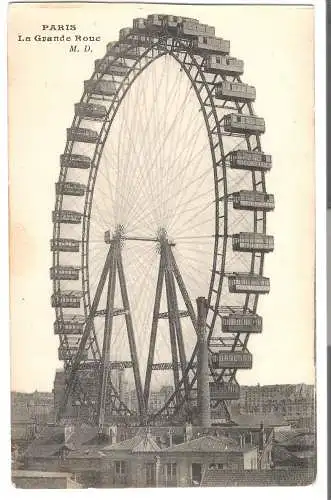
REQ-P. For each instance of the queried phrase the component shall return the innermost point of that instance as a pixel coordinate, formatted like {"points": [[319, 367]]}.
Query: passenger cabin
{"points": [[102, 65], [127, 51], [65, 353], [243, 124], [124, 33], [118, 69], [145, 41], [173, 23], [100, 87], [186, 19], [189, 28], [248, 283], [202, 44], [224, 390], [252, 242], [250, 160], [253, 200], [70, 325], [90, 110], [134, 53], [235, 91], [70, 188], [110, 68], [224, 64], [242, 323], [75, 161], [68, 298], [139, 24], [67, 216], [158, 21], [64, 245], [65, 272], [155, 22], [82, 135], [231, 359], [111, 46]]}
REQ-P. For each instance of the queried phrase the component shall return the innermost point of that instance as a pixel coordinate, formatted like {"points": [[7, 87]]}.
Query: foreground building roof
{"points": [[207, 444], [137, 444]]}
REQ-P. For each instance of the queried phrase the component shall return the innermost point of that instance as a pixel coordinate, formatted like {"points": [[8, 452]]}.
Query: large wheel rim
{"points": [[225, 220]]}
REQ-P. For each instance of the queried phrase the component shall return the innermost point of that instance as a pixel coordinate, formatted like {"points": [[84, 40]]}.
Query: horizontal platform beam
{"points": [[182, 314], [115, 365], [116, 312], [167, 366]]}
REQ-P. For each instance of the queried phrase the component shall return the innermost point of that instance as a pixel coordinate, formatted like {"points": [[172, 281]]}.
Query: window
{"points": [[120, 468], [150, 474], [196, 474], [218, 60], [216, 466], [205, 40], [171, 471]]}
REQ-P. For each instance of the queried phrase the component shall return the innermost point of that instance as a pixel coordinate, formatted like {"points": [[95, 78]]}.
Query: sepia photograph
{"points": [[162, 245]]}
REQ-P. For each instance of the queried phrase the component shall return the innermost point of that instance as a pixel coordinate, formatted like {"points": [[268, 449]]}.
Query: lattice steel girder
{"points": [[113, 263], [78, 358], [152, 343], [131, 337], [107, 334], [175, 318], [169, 272], [172, 334]]}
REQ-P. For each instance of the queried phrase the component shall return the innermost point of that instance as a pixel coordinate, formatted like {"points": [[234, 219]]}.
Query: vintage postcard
{"points": [[162, 245]]}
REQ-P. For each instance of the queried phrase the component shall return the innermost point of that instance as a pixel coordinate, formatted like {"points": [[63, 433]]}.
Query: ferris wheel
{"points": [[161, 198]]}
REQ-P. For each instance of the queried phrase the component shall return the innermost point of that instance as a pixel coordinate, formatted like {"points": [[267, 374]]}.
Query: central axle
{"points": [[119, 235]]}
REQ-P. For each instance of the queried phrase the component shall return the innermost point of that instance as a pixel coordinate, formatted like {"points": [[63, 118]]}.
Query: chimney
{"points": [[262, 437], [188, 432], [203, 368], [121, 384], [68, 432], [157, 470], [113, 433], [170, 433], [108, 432]]}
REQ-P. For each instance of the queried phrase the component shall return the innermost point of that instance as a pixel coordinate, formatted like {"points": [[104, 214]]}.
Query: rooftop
{"points": [[270, 420], [52, 438], [20, 414], [281, 436], [208, 444], [136, 444], [39, 473]]}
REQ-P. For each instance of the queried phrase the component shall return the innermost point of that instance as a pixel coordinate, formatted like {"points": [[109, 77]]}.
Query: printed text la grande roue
{"points": [[61, 33]]}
